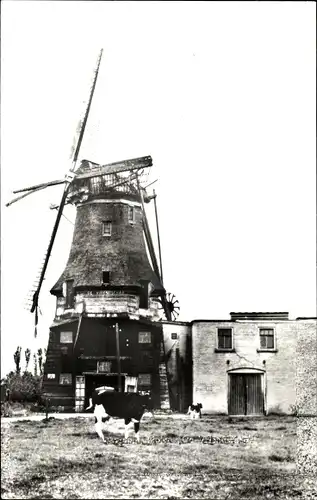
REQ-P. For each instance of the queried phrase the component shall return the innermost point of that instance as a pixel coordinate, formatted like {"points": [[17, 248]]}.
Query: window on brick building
{"points": [[65, 379], [50, 376], [131, 214], [224, 338], [106, 228], [144, 337], [266, 338]]}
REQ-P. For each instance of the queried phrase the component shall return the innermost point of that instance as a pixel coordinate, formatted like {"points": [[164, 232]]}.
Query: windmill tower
{"points": [[106, 329]]}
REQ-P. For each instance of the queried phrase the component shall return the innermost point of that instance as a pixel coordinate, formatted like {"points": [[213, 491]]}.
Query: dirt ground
{"points": [[215, 458]]}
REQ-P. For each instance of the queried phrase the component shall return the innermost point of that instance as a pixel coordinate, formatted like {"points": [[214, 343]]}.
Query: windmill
{"points": [[108, 276], [120, 175]]}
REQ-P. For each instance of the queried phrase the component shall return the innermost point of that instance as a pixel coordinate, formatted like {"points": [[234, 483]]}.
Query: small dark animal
{"points": [[127, 405], [195, 411]]}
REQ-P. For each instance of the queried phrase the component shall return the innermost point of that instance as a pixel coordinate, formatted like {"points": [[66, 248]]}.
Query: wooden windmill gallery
{"points": [[108, 327]]}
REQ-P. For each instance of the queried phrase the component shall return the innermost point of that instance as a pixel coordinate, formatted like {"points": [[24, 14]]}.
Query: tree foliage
{"points": [[40, 360], [24, 388], [35, 364], [17, 359], [27, 354]]}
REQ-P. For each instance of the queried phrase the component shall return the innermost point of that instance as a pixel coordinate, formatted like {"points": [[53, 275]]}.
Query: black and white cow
{"points": [[195, 411], [126, 405]]}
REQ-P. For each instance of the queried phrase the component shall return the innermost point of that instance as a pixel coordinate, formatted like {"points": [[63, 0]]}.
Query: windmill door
{"points": [[245, 394], [80, 393]]}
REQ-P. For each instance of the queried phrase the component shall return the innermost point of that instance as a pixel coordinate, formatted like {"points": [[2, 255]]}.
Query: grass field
{"points": [[216, 458]]}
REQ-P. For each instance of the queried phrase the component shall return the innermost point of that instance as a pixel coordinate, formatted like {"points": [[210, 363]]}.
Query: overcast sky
{"points": [[221, 95]]}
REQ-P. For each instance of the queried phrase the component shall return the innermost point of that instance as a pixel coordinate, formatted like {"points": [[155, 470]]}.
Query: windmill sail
{"points": [[81, 126], [66, 189]]}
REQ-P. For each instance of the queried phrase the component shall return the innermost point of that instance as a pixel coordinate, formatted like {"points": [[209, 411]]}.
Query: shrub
{"points": [[6, 410], [24, 388]]}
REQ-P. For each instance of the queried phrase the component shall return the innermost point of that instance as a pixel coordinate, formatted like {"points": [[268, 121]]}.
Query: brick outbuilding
{"points": [[249, 365]]}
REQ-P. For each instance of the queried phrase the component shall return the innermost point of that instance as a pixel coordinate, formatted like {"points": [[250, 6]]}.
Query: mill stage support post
{"points": [[118, 358]]}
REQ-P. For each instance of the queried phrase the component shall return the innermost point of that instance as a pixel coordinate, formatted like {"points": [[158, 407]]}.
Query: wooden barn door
{"points": [[236, 395], [245, 394], [254, 395]]}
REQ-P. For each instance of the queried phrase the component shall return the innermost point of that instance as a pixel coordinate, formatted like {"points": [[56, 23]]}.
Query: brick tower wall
{"points": [[123, 253]]}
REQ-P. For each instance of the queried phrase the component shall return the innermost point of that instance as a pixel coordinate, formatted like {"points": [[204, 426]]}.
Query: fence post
{"points": [[46, 408]]}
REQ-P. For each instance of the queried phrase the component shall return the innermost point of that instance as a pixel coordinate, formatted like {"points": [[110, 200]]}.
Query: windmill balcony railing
{"points": [[104, 302], [104, 366], [102, 184], [99, 303]]}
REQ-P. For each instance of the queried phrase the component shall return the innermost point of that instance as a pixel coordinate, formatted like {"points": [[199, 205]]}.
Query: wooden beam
{"points": [[24, 195], [104, 358], [78, 329], [147, 234], [118, 167], [118, 357], [68, 181], [158, 236], [49, 250], [40, 186], [84, 122], [149, 242]]}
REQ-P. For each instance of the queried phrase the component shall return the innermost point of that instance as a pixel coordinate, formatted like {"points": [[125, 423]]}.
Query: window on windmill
{"points": [[106, 228], [50, 376], [174, 336], [224, 338], [65, 379], [144, 380], [131, 214], [105, 277], [69, 294], [145, 337], [144, 299], [144, 294], [266, 338], [66, 338], [104, 366]]}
